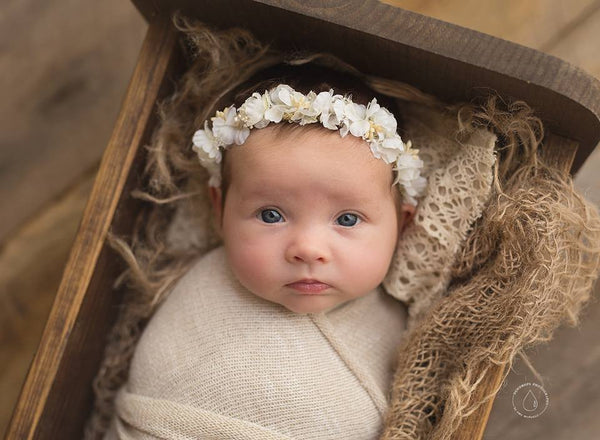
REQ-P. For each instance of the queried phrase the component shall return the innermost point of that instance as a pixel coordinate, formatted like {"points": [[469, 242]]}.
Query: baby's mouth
{"points": [[309, 286]]}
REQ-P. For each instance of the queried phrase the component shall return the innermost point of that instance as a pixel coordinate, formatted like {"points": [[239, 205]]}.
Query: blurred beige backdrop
{"points": [[64, 69]]}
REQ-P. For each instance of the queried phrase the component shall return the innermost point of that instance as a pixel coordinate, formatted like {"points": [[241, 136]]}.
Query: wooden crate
{"points": [[451, 62]]}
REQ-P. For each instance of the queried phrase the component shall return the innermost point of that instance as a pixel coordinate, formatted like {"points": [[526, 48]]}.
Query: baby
{"points": [[284, 331]]}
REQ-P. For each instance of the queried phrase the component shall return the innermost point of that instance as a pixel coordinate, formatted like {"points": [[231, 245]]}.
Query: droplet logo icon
{"points": [[530, 403], [530, 400]]}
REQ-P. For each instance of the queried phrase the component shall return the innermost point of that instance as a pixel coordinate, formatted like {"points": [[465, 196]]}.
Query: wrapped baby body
{"points": [[217, 362]]}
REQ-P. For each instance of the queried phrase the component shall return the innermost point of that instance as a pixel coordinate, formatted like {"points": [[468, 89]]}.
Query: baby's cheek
{"points": [[370, 263], [251, 263]]}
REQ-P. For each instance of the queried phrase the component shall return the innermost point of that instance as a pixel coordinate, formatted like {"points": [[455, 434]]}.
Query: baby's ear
{"points": [[216, 201], [407, 213]]}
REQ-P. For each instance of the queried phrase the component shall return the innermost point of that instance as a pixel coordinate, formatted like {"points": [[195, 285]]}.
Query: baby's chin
{"points": [[312, 305]]}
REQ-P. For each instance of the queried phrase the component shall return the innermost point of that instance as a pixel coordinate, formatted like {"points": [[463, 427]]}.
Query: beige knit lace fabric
{"points": [[459, 178]]}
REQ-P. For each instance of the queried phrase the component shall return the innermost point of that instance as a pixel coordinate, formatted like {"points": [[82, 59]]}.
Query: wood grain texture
{"points": [[59, 100], [54, 400], [581, 45], [31, 264], [474, 426], [446, 60], [558, 152], [534, 23]]}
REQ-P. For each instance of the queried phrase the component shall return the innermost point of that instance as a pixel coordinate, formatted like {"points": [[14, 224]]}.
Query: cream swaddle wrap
{"points": [[217, 362]]}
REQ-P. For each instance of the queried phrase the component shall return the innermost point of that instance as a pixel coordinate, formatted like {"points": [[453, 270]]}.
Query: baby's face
{"points": [[310, 219]]}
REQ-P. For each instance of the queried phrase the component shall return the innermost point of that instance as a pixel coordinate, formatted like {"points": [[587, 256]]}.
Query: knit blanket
{"points": [[215, 361]]}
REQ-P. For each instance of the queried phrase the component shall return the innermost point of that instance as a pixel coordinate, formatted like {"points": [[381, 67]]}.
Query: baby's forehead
{"points": [[300, 161], [308, 145]]}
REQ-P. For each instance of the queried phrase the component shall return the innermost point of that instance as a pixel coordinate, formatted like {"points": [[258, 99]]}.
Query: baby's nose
{"points": [[307, 248]]}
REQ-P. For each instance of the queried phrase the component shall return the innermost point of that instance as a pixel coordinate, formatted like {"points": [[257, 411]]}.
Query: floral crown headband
{"points": [[373, 123]]}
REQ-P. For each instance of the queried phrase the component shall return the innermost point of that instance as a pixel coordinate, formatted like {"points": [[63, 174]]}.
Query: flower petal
{"points": [[275, 113], [359, 128]]}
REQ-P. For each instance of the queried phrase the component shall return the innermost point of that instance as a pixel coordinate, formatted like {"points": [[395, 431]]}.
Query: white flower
{"points": [[408, 174], [390, 148], [206, 145], [275, 113], [419, 185], [280, 99], [413, 189], [228, 128], [370, 122], [383, 123], [293, 106], [408, 166], [304, 111], [330, 107], [280, 95], [357, 119], [252, 112], [214, 171]]}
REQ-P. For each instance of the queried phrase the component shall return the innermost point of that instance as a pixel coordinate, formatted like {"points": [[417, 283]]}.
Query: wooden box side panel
{"points": [[57, 395], [443, 59]]}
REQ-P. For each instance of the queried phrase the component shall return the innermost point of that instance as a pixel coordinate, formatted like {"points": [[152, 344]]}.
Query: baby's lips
{"points": [[309, 286], [308, 281]]}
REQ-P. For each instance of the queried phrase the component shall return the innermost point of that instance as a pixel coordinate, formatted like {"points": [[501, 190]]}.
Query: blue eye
{"points": [[347, 220], [270, 216]]}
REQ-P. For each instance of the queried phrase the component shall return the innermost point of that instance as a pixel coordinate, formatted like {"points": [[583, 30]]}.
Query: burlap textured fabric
{"points": [[218, 362]]}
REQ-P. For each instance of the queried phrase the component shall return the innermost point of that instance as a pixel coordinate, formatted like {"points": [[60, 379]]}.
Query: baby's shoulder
{"points": [[209, 320], [209, 280], [207, 292], [194, 313]]}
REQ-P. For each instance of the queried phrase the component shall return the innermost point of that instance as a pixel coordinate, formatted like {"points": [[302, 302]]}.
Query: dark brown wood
{"points": [[448, 61], [559, 152], [57, 395]]}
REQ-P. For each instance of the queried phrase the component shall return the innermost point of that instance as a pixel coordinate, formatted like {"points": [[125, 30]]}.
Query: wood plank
{"points": [[558, 152], [581, 45], [31, 264], [533, 24], [54, 401], [64, 69], [474, 426]]}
